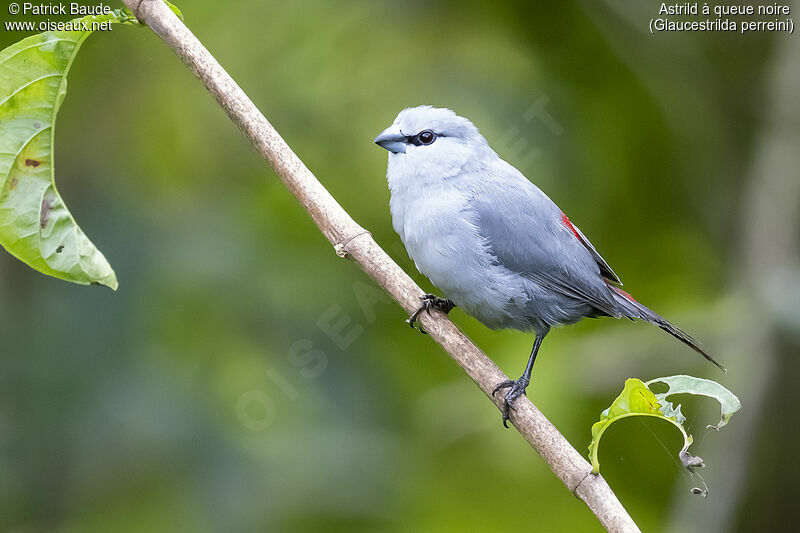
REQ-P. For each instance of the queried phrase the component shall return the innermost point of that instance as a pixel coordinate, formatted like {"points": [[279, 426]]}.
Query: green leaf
{"points": [[682, 384], [35, 224], [636, 399], [174, 9]]}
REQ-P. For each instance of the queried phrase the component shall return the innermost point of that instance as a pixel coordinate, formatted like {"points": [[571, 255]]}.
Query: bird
{"points": [[496, 245]]}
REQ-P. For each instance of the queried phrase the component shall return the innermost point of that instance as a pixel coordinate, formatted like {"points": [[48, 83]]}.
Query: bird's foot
{"points": [[428, 302], [516, 388]]}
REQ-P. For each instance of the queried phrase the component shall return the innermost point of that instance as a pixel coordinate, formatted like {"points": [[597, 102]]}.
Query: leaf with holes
{"points": [[682, 384], [35, 224], [636, 399]]}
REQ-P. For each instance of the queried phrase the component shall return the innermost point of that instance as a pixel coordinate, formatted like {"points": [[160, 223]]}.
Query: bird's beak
{"points": [[392, 140]]}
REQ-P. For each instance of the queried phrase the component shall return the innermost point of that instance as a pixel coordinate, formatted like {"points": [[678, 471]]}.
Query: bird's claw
{"points": [[428, 302], [516, 389]]}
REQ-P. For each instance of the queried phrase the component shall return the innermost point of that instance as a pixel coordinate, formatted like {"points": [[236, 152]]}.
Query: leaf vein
{"points": [[4, 59], [21, 88]]}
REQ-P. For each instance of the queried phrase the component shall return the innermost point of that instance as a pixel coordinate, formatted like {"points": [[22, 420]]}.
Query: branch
{"points": [[352, 241]]}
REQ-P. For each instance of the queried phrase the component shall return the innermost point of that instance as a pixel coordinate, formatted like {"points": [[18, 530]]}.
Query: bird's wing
{"points": [[529, 234]]}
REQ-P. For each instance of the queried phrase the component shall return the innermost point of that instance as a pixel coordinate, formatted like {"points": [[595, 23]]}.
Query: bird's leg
{"points": [[428, 302], [516, 387]]}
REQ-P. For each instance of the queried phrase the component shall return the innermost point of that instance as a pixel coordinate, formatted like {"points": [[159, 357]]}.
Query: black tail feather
{"points": [[686, 339], [633, 309]]}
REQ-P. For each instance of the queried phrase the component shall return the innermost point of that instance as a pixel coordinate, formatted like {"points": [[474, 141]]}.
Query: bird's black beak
{"points": [[392, 140]]}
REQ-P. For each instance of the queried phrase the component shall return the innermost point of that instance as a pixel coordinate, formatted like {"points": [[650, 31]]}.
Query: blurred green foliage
{"points": [[192, 399]]}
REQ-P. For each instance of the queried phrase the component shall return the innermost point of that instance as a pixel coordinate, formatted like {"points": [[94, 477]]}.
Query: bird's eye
{"points": [[426, 137]]}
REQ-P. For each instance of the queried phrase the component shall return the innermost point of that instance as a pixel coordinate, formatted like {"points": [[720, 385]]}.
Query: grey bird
{"points": [[497, 246]]}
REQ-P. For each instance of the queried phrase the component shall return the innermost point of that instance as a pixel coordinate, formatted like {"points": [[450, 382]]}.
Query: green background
{"points": [[208, 394]]}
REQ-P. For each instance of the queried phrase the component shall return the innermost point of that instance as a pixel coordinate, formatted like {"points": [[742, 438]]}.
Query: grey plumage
{"points": [[489, 238]]}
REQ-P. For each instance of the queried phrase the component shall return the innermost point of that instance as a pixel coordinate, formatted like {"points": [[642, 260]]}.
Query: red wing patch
{"points": [[605, 270], [622, 293], [568, 224]]}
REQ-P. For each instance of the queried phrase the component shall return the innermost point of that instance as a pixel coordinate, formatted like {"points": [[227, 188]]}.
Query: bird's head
{"points": [[432, 138]]}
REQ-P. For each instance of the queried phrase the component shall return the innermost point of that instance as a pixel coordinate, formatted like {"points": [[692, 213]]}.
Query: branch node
{"points": [[341, 247], [579, 483], [135, 10]]}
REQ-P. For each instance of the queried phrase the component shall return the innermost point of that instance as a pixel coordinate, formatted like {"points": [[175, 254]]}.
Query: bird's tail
{"points": [[633, 309]]}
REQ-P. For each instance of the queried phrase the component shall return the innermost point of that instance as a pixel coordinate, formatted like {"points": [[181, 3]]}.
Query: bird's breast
{"points": [[440, 234]]}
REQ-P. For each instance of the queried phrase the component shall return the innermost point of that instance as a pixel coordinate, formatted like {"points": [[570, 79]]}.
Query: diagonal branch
{"points": [[352, 241]]}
